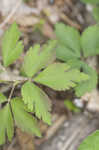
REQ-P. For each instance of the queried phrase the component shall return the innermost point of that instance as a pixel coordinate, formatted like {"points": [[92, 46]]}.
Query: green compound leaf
{"points": [[6, 124], [11, 48], [37, 59], [64, 53], [37, 101], [88, 85], [2, 98], [60, 76], [91, 142], [90, 41], [74, 63], [23, 119], [91, 1], [68, 42], [96, 13]]}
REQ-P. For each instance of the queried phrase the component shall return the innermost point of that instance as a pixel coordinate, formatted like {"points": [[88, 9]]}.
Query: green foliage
{"points": [[23, 119], [96, 13], [88, 46], [91, 142], [69, 104], [2, 98], [69, 42], [31, 63], [11, 47], [88, 85], [90, 41], [37, 101], [6, 124], [38, 67], [91, 1], [59, 76]]}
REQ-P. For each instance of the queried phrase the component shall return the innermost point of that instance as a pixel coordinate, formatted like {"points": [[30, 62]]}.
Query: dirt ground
{"points": [[36, 19]]}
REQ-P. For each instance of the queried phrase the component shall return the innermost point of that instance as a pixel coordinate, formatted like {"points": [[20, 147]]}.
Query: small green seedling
{"points": [[95, 4], [38, 67], [91, 142], [74, 48], [70, 106]]}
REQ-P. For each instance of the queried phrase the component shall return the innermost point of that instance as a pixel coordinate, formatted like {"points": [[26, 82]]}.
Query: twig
{"points": [[2, 68], [69, 21], [52, 130], [12, 144], [69, 141], [11, 14], [12, 90]]}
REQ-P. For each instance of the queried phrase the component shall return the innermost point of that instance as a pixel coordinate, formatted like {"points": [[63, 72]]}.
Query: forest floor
{"points": [[38, 28]]}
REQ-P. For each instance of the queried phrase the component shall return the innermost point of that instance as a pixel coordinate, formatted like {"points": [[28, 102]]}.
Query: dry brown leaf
{"points": [[26, 141]]}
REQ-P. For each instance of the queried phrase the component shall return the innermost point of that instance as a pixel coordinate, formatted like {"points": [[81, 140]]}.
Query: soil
{"points": [[66, 130]]}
